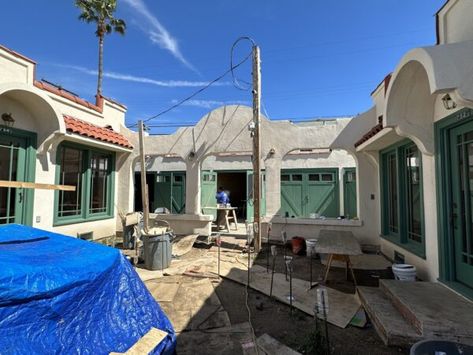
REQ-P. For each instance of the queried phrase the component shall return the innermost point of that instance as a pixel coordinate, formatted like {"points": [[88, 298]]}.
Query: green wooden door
{"points": [[309, 191], [170, 191], [349, 192], [12, 168], [178, 193], [249, 195], [461, 174], [292, 194], [162, 191], [208, 190]]}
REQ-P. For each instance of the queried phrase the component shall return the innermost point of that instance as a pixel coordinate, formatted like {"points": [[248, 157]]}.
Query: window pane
{"points": [[392, 193], [99, 170], [297, 177], [285, 177], [327, 177], [70, 174], [314, 177], [177, 178], [413, 198]]}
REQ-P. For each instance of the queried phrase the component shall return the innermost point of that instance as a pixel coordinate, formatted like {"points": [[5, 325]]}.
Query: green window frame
{"points": [[402, 208], [92, 171]]}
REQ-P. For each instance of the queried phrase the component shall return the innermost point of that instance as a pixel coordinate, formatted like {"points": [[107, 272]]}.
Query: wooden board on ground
{"points": [[342, 306], [162, 291], [146, 343], [183, 245], [362, 262], [273, 347], [195, 306], [226, 341]]}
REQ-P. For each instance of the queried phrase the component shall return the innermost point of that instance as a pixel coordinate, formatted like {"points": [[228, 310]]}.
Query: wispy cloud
{"points": [[141, 79], [157, 33], [210, 103]]}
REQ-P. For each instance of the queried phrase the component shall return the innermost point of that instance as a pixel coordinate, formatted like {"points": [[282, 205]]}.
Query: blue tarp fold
{"points": [[63, 295]]}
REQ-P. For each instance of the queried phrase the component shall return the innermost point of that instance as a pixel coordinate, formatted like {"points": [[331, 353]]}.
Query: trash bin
{"points": [[433, 347], [157, 250]]}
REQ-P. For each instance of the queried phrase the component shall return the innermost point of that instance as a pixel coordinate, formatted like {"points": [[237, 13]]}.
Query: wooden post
{"points": [[257, 148], [144, 186]]}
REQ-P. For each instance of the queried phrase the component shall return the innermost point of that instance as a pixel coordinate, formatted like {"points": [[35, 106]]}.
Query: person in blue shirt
{"points": [[222, 196]]}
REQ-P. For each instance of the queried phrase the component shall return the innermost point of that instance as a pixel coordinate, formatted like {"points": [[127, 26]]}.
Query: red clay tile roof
{"points": [[74, 125], [66, 94], [371, 133]]}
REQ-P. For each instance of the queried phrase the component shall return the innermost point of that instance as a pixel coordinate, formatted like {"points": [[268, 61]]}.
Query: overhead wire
{"points": [[209, 84]]}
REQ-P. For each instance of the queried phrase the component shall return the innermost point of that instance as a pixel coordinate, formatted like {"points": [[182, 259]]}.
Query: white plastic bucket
{"points": [[404, 272], [310, 247]]}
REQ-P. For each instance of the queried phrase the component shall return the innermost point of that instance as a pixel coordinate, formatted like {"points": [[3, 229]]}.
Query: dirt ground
{"points": [[296, 330]]}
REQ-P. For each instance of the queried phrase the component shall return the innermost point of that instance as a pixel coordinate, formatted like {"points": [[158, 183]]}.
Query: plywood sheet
{"points": [[146, 343], [162, 291]]}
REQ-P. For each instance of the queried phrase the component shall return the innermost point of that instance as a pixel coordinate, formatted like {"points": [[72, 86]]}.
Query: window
{"points": [[285, 177], [91, 172], [402, 206]]}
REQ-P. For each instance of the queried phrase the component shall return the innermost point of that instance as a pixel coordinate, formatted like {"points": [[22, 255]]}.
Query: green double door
{"points": [[309, 191], [170, 191], [13, 167], [208, 188], [461, 195]]}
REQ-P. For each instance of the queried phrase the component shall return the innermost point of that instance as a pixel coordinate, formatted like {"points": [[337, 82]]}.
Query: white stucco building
{"points": [[49, 135], [414, 155]]}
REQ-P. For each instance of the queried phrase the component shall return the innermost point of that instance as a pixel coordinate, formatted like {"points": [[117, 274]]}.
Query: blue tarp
{"points": [[64, 295]]}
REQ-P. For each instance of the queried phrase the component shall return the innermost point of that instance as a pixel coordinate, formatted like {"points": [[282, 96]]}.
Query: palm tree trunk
{"points": [[100, 70]]}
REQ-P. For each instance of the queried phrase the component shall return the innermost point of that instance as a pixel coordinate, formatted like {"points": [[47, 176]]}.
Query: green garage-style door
{"points": [[170, 191], [208, 190], [309, 191], [349, 192]]}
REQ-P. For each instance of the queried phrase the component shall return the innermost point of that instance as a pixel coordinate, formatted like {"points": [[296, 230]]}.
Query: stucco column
{"points": [[193, 187], [273, 185]]}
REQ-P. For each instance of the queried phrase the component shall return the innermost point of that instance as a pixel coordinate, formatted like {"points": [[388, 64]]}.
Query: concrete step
{"points": [[392, 328], [433, 309]]}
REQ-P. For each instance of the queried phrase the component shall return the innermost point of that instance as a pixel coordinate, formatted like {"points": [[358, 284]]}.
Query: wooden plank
{"points": [[147, 343], [274, 347], [34, 185], [338, 242]]}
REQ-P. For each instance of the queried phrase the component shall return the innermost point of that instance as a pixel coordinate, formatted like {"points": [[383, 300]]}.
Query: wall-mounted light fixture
{"points": [[272, 151], [448, 102], [8, 119], [191, 155]]}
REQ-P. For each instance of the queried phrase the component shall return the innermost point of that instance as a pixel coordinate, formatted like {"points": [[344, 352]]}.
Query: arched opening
{"points": [[410, 105]]}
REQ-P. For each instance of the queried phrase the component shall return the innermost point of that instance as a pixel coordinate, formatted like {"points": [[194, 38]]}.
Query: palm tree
{"points": [[101, 12]]}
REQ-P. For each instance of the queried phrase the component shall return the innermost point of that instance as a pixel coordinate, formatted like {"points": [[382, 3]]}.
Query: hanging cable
{"points": [[236, 82]]}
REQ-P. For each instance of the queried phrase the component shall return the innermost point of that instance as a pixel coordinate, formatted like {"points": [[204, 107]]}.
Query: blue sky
{"points": [[319, 58]]}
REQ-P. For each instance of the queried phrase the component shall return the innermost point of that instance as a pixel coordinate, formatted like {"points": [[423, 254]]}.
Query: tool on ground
{"points": [[274, 252], [218, 240], [284, 241], [288, 260], [322, 309], [249, 235], [268, 246], [311, 285]]}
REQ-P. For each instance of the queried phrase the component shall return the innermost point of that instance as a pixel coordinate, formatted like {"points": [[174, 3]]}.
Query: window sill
{"points": [[416, 250], [316, 221], [64, 222]]}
